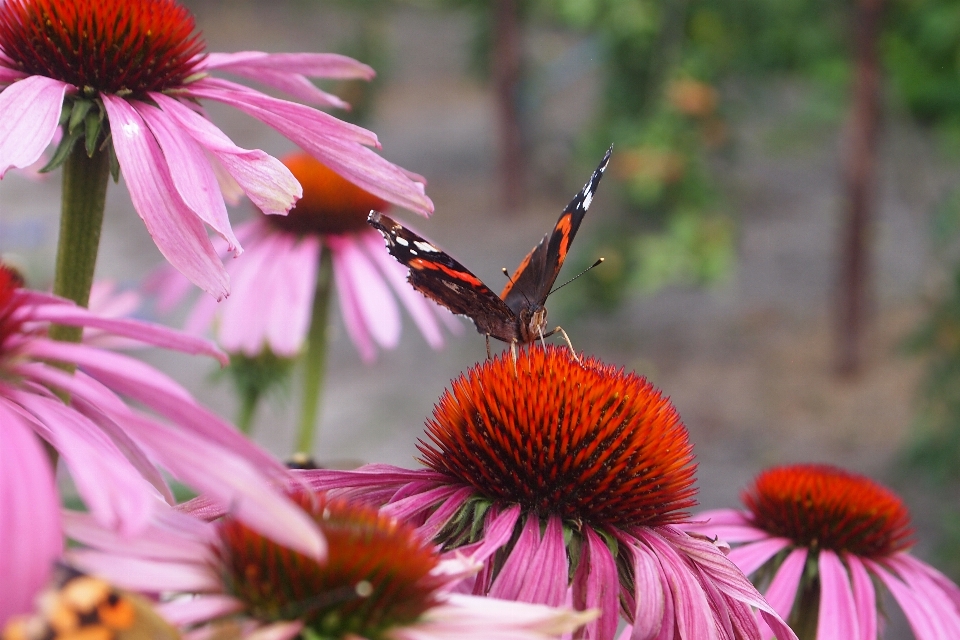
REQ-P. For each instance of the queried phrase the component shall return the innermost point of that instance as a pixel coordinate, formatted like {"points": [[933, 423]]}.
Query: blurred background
{"points": [[780, 221]]}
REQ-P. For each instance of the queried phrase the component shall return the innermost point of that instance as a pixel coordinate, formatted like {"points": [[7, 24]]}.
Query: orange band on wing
{"points": [[460, 276], [564, 226]]}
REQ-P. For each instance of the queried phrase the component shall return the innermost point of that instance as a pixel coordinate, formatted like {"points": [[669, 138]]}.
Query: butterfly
{"points": [[77, 605], [517, 315]]}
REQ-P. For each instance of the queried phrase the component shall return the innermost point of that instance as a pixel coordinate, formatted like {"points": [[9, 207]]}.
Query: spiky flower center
{"points": [[109, 46], [10, 281], [377, 575], [330, 204], [823, 507], [584, 441]]}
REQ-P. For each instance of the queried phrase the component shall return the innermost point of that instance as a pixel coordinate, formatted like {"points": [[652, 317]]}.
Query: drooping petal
{"points": [[150, 576], [783, 588], [266, 181], [864, 595], [190, 171], [751, 557], [31, 535], [421, 309], [652, 602], [596, 585], [111, 488], [175, 229], [188, 612], [155, 542], [31, 113], [925, 620], [920, 582], [327, 139], [837, 616]]}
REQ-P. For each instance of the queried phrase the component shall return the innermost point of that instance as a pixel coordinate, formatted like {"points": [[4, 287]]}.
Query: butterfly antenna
{"points": [[595, 264], [513, 283]]}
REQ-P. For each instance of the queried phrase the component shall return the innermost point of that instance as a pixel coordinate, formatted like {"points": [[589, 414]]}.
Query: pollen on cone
{"points": [[821, 506], [110, 46], [582, 440]]}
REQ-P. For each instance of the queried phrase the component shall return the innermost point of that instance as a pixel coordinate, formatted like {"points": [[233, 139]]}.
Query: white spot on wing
{"points": [[401, 241], [426, 247], [587, 199]]}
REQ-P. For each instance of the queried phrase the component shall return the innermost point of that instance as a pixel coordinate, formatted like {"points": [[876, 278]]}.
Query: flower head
{"points": [[128, 78], [274, 287], [819, 538], [380, 579], [568, 481], [114, 452]]}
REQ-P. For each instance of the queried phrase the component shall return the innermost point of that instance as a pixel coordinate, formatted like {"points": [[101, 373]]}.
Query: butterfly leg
{"points": [[560, 330], [489, 357]]}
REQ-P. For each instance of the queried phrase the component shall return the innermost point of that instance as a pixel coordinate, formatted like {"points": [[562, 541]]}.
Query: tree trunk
{"points": [[507, 54], [860, 173]]}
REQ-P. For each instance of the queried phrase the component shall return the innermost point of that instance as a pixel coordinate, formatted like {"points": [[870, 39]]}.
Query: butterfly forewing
{"points": [[532, 281]]}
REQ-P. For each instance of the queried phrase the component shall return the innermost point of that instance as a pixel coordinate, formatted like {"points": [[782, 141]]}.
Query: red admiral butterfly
{"points": [[518, 314]]}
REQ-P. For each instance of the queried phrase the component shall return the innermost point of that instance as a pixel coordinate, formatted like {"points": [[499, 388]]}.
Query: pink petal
{"points": [[782, 591], [234, 482], [837, 619], [29, 117], [175, 229], [150, 576], [266, 181], [327, 139], [864, 596], [355, 275], [155, 542], [925, 620], [652, 606], [190, 171], [110, 487], [31, 536], [917, 578], [421, 309], [202, 608], [316, 65], [751, 557], [596, 585]]}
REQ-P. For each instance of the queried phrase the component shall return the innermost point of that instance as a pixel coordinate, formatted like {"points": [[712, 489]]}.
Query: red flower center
{"points": [[376, 577], [587, 441], [110, 46], [10, 281], [330, 204], [820, 506]]}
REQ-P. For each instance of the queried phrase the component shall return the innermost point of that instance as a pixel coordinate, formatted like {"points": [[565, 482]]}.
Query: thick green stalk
{"points": [[81, 217], [315, 359], [248, 407]]}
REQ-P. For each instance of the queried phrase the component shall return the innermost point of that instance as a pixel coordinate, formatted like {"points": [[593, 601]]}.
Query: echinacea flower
{"points": [[819, 540], [380, 580], [568, 480], [114, 452], [274, 286], [125, 78]]}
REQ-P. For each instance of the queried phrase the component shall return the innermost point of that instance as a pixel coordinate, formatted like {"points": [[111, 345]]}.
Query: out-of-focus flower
{"points": [[274, 285], [131, 74], [380, 579], [819, 539], [568, 480], [114, 452]]}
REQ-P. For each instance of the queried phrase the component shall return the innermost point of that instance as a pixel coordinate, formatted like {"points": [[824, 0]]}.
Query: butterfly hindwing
{"points": [[532, 281], [445, 281]]}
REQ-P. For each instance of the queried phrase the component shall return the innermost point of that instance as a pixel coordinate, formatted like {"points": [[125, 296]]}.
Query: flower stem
{"points": [[248, 407], [81, 217], [315, 360]]}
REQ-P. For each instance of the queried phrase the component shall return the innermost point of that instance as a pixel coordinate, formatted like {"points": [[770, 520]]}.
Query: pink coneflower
{"points": [[274, 285], [819, 539], [569, 482], [379, 581], [113, 452], [125, 78]]}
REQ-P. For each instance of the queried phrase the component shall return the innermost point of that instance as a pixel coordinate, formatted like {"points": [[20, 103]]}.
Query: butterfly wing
{"points": [[530, 284], [445, 281]]}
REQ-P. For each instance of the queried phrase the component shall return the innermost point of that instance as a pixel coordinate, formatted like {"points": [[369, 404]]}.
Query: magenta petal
{"points": [[266, 181], [153, 543], [925, 620], [31, 535], [751, 557], [782, 591], [652, 609], [29, 116], [837, 619], [596, 585], [316, 65], [421, 309], [190, 171], [864, 596], [919, 581], [175, 229], [149, 576], [376, 307], [515, 573]]}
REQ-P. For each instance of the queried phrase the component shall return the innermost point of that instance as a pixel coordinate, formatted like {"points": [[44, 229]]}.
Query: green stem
{"points": [[81, 217], [248, 407], [315, 360]]}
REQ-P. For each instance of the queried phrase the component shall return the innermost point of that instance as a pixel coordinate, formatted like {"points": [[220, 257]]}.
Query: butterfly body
{"points": [[518, 315]]}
